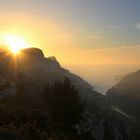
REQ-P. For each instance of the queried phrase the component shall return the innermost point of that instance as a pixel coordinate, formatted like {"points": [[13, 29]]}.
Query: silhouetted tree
{"points": [[64, 102]]}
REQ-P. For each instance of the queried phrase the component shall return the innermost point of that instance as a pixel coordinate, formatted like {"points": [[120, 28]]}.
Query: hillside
{"points": [[126, 95], [36, 71]]}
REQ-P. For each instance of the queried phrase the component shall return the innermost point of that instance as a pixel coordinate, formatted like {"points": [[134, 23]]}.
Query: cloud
{"points": [[95, 37], [138, 26], [114, 27], [122, 48]]}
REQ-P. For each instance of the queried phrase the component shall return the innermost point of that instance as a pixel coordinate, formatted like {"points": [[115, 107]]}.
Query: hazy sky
{"points": [[78, 32]]}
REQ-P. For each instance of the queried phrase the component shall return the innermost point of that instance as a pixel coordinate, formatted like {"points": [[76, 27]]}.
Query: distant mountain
{"points": [[125, 95], [36, 71]]}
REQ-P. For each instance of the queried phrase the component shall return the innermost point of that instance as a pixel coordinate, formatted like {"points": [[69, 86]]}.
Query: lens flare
{"points": [[15, 43]]}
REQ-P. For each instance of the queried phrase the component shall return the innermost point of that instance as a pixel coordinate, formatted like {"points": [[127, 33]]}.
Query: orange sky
{"points": [[54, 39], [96, 39]]}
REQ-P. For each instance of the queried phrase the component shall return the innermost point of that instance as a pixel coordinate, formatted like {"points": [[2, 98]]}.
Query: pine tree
{"points": [[64, 102]]}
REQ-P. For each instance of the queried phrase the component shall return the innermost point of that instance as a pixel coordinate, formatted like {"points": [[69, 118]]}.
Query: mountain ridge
{"points": [[38, 70]]}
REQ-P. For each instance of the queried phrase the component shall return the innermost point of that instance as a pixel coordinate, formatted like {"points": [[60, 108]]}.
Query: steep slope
{"points": [[36, 71], [126, 95]]}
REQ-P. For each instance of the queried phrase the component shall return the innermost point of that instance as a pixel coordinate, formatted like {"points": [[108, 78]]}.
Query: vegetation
{"points": [[54, 116], [64, 103]]}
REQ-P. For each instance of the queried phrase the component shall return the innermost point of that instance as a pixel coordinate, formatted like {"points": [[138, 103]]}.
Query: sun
{"points": [[15, 43]]}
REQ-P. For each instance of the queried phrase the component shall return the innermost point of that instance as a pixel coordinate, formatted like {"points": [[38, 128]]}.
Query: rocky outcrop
{"points": [[33, 52]]}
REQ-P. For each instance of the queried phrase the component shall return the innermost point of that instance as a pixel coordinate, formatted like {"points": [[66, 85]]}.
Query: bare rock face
{"points": [[34, 52], [7, 87]]}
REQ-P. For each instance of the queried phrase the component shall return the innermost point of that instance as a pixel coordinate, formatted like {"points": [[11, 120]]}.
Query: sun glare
{"points": [[15, 43]]}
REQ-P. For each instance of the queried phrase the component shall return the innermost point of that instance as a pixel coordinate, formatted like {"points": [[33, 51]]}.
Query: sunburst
{"points": [[15, 43]]}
